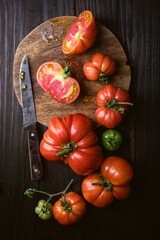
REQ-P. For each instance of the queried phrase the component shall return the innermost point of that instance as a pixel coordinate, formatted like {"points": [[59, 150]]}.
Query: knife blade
{"points": [[29, 120]]}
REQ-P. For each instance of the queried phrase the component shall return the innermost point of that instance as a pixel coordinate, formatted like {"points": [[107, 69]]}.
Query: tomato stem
{"points": [[67, 148], [104, 183], [66, 73], [63, 152], [103, 77], [127, 103], [114, 105], [29, 192]]}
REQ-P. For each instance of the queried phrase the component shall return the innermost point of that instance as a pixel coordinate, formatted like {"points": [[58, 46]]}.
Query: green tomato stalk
{"points": [[66, 73], [103, 77], [114, 104], [104, 182], [44, 208]]}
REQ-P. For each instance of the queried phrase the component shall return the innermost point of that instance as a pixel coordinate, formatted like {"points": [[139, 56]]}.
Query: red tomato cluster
{"points": [[71, 139]]}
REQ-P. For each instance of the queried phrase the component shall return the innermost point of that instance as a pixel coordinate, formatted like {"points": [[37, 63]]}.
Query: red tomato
{"points": [[71, 210], [113, 103], [100, 189], [81, 35], [73, 140], [100, 67], [56, 82]]}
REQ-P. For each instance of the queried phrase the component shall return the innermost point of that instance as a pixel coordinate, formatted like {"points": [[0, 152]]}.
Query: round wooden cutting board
{"points": [[44, 44]]}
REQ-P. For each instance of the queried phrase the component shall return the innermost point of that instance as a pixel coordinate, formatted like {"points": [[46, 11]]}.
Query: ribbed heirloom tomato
{"points": [[70, 209], [113, 181], [81, 35], [73, 140], [100, 68], [57, 82], [113, 103]]}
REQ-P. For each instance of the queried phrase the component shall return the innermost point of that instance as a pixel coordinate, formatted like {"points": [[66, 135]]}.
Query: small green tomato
{"points": [[44, 210], [111, 139]]}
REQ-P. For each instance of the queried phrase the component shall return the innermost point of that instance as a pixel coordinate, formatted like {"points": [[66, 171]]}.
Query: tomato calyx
{"points": [[66, 73], [103, 77], [67, 148], [66, 206], [104, 183], [114, 105], [113, 142]]}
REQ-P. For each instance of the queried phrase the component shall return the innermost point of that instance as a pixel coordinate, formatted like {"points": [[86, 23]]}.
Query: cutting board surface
{"points": [[44, 44]]}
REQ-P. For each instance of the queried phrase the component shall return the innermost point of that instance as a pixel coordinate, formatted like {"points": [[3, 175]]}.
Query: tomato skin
{"points": [[84, 155], [113, 181], [100, 67], [54, 80], [118, 170], [81, 35], [95, 194], [78, 209], [108, 116]]}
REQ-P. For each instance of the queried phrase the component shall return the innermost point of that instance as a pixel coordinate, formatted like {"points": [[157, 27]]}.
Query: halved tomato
{"points": [[81, 35], [57, 82]]}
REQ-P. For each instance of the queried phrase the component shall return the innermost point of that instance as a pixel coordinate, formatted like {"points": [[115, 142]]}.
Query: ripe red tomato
{"points": [[81, 35], [100, 67], [113, 103], [57, 82], [113, 181], [70, 210], [73, 140]]}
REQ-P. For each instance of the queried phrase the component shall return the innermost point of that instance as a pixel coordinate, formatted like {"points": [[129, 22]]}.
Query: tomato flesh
{"points": [[51, 78], [81, 35]]}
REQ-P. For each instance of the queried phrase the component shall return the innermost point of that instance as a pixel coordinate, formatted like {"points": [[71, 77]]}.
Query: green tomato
{"points": [[111, 139], [44, 210]]}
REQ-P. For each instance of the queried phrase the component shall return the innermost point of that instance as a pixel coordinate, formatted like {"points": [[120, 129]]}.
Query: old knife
{"points": [[29, 120]]}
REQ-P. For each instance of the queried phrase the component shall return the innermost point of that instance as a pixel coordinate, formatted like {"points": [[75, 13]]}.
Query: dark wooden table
{"points": [[136, 24]]}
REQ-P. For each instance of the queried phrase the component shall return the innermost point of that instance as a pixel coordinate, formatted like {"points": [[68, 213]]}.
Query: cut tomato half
{"points": [[57, 82], [81, 35]]}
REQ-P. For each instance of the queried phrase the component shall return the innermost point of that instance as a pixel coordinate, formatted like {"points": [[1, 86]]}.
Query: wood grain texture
{"points": [[136, 25], [44, 44]]}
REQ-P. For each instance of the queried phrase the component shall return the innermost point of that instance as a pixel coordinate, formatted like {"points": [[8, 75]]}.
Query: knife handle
{"points": [[34, 154]]}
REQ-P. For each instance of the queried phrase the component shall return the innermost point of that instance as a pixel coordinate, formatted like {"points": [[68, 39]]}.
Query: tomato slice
{"points": [[81, 35], [55, 81]]}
